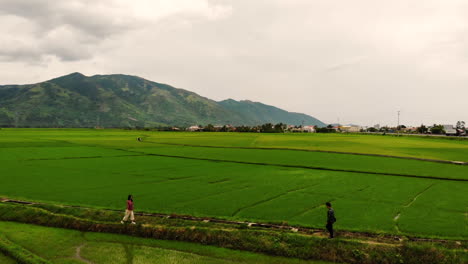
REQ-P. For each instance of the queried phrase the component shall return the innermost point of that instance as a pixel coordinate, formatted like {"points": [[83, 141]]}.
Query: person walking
{"points": [[129, 211], [330, 219]]}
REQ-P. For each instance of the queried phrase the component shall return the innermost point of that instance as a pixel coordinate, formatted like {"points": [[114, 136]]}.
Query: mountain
{"points": [[259, 113], [118, 100]]}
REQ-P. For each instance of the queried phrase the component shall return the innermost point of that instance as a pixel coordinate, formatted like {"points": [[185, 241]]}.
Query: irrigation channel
{"points": [[363, 237]]}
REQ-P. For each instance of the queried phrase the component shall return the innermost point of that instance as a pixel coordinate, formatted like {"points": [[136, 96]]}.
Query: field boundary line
{"points": [[19, 253], [306, 210], [142, 154], [88, 157], [417, 195], [303, 167], [317, 150], [237, 211], [301, 229], [212, 195], [407, 205]]}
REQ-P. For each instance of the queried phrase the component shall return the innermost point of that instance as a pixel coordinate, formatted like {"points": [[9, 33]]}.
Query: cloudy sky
{"points": [[357, 61]]}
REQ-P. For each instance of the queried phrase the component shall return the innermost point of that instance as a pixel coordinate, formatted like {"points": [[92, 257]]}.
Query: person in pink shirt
{"points": [[129, 211]]}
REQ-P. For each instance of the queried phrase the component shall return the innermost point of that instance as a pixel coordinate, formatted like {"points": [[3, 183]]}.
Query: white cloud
{"points": [[75, 29], [357, 60]]}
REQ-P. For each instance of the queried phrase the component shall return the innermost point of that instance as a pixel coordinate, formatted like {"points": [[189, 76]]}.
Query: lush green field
{"points": [[100, 167], [6, 260], [63, 246], [421, 147]]}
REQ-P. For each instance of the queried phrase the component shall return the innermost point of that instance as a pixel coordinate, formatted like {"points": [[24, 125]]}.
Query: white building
{"points": [[450, 130], [309, 129], [350, 129], [194, 128]]}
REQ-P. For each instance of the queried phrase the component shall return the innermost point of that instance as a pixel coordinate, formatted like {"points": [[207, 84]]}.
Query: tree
{"points": [[209, 128], [422, 129], [267, 128], [372, 129], [327, 129], [437, 129], [279, 128], [384, 129], [461, 125]]}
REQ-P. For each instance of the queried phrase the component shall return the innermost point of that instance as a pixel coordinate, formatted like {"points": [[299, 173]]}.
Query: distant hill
{"points": [[120, 100], [259, 113]]}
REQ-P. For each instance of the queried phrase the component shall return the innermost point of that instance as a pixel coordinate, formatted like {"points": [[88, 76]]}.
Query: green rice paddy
{"points": [[254, 177], [63, 246]]}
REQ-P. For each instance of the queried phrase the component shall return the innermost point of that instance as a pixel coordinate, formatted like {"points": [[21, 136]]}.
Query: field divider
{"points": [[87, 157], [236, 212], [18, 253], [453, 162], [268, 226], [142, 154], [303, 167]]}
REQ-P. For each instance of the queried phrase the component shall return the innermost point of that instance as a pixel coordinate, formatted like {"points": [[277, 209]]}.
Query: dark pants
{"points": [[330, 229]]}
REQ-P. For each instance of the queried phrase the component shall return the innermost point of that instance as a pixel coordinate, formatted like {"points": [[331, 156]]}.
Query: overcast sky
{"points": [[357, 61]]}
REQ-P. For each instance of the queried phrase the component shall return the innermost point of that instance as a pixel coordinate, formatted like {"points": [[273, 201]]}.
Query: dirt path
{"points": [[362, 237], [78, 255]]}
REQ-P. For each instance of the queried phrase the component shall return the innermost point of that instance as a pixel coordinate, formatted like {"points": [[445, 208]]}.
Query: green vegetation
{"points": [[98, 168], [124, 101], [6, 260], [19, 253], [278, 178], [418, 147], [279, 243], [71, 246]]}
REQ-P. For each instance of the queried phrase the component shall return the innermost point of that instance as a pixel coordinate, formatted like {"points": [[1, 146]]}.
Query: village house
{"points": [[194, 128], [308, 129], [350, 129]]}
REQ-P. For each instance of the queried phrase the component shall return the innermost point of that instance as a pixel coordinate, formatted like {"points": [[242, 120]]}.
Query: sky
{"points": [[353, 62]]}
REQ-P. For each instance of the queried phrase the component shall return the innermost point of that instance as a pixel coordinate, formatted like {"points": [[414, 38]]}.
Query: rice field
{"points": [[62, 246], [255, 177]]}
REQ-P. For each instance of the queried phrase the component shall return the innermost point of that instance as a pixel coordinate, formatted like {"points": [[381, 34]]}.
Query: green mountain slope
{"points": [[260, 113], [116, 100]]}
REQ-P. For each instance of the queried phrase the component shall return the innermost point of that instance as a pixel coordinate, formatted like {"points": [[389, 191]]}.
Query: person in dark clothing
{"points": [[330, 219]]}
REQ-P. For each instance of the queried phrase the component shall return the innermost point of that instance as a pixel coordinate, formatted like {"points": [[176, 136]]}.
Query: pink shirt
{"points": [[129, 205]]}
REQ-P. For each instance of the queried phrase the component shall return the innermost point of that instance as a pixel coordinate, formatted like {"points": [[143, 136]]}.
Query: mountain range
{"points": [[118, 100]]}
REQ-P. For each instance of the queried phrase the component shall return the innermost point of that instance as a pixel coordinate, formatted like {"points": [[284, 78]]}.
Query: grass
{"points": [[278, 243], [330, 161], [98, 168], [60, 246], [6, 260], [421, 147]]}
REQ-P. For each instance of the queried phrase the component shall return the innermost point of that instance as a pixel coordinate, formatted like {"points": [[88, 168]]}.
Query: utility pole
{"points": [[398, 127]]}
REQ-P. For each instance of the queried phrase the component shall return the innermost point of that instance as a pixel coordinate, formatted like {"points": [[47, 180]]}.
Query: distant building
{"points": [[194, 128], [450, 130], [377, 126], [350, 129], [308, 129]]}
